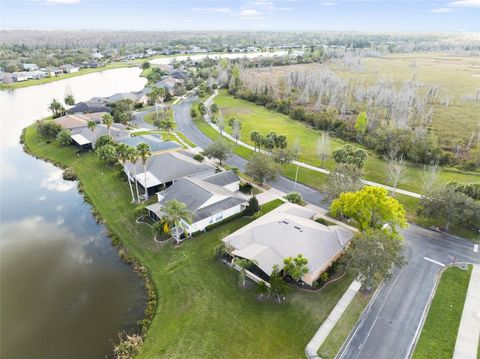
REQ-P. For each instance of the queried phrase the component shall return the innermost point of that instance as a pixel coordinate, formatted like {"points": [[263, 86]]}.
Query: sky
{"points": [[248, 15]]}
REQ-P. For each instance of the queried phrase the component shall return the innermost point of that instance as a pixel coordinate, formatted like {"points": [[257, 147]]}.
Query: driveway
{"points": [[389, 328]]}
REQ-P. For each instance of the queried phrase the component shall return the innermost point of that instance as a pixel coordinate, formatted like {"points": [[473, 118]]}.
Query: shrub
{"points": [[295, 197], [472, 190], [252, 207], [198, 157], [245, 187], [48, 129], [107, 154], [104, 140], [64, 137], [69, 174]]}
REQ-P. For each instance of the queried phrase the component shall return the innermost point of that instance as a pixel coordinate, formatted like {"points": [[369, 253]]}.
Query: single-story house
{"points": [[209, 203], [154, 141], [86, 138], [79, 120], [89, 107], [122, 96], [38, 74], [285, 232], [168, 83], [179, 75], [69, 69], [52, 71], [142, 96], [30, 67], [21, 76], [164, 169]]}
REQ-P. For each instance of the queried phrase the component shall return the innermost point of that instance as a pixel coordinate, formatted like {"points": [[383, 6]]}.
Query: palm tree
{"points": [[168, 123], [91, 126], [244, 264], [122, 155], [177, 216], [69, 100], [107, 120], [56, 108], [133, 157], [144, 153]]}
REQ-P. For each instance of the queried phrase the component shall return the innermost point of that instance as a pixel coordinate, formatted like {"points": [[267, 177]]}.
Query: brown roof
{"points": [[79, 120]]}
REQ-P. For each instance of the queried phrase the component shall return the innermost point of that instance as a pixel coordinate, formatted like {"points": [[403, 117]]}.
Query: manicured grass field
{"points": [[344, 326], [439, 332], [201, 312], [258, 118], [16, 85]]}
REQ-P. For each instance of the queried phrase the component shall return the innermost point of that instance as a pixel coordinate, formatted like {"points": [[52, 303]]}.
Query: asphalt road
{"points": [[388, 329]]}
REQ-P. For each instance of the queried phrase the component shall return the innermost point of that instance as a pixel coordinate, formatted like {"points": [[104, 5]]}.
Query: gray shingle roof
{"points": [[217, 207], [168, 167], [89, 106], [281, 233], [223, 178]]}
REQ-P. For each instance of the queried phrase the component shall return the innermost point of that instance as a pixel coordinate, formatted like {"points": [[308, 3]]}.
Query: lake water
{"points": [[64, 292], [168, 60]]}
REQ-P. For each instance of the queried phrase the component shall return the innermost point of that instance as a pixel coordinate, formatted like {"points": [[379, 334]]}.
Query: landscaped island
{"points": [[201, 311]]}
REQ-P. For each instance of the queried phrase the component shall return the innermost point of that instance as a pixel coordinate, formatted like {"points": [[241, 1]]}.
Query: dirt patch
{"points": [[236, 110]]}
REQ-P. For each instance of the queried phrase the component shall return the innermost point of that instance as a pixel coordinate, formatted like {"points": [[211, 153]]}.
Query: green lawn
{"points": [[15, 85], [344, 326], [259, 118], [439, 333], [201, 311]]}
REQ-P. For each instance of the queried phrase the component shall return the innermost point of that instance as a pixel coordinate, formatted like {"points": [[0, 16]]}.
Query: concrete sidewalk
{"points": [[322, 333], [469, 332]]}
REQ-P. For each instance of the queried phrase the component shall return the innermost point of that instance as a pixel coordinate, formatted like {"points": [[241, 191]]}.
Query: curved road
{"points": [[387, 331]]}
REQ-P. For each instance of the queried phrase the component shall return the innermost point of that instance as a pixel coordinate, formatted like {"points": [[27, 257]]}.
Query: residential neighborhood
{"points": [[240, 179]]}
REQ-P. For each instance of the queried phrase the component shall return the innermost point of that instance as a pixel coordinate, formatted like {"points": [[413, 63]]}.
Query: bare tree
{"points": [[236, 130], [395, 168], [323, 147], [430, 178]]}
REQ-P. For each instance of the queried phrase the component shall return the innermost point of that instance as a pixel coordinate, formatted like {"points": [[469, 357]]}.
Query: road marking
{"points": [[434, 261], [475, 248]]}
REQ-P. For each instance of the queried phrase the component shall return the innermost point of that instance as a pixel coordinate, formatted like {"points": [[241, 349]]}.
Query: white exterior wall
{"points": [[233, 187], [202, 224]]}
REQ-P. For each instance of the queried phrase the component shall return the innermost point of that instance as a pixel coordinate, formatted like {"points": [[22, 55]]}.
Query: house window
{"points": [[211, 220], [219, 218]]}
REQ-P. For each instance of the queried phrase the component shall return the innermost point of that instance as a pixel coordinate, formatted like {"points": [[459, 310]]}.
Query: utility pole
{"points": [[296, 177]]}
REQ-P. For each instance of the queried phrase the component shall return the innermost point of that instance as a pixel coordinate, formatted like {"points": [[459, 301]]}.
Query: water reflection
{"points": [[64, 293]]}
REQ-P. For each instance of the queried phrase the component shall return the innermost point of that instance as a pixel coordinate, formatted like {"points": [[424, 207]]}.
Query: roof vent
{"points": [[297, 227], [284, 222]]}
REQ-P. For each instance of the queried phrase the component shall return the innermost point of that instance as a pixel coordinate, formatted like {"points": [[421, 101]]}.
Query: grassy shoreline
{"points": [[201, 311], [439, 333]]}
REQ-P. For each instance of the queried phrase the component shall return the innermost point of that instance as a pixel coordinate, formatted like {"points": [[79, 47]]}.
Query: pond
{"points": [[64, 291]]}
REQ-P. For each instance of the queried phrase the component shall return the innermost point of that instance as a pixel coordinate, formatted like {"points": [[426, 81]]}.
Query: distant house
{"points": [[179, 75], [30, 67], [166, 168], [21, 76], [97, 56], [154, 141], [122, 96], [209, 202], [287, 231], [38, 74], [69, 69], [89, 106], [52, 71], [142, 96], [168, 83], [85, 138]]}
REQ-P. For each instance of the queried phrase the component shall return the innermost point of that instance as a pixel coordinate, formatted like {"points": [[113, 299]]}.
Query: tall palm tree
{"points": [[56, 108], [133, 157], [107, 120], [177, 216], [244, 264], [144, 153], [91, 126], [122, 155], [168, 123]]}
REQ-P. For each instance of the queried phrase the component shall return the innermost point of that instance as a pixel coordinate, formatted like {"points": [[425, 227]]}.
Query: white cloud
{"points": [[442, 10], [218, 10], [465, 3], [250, 14]]}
